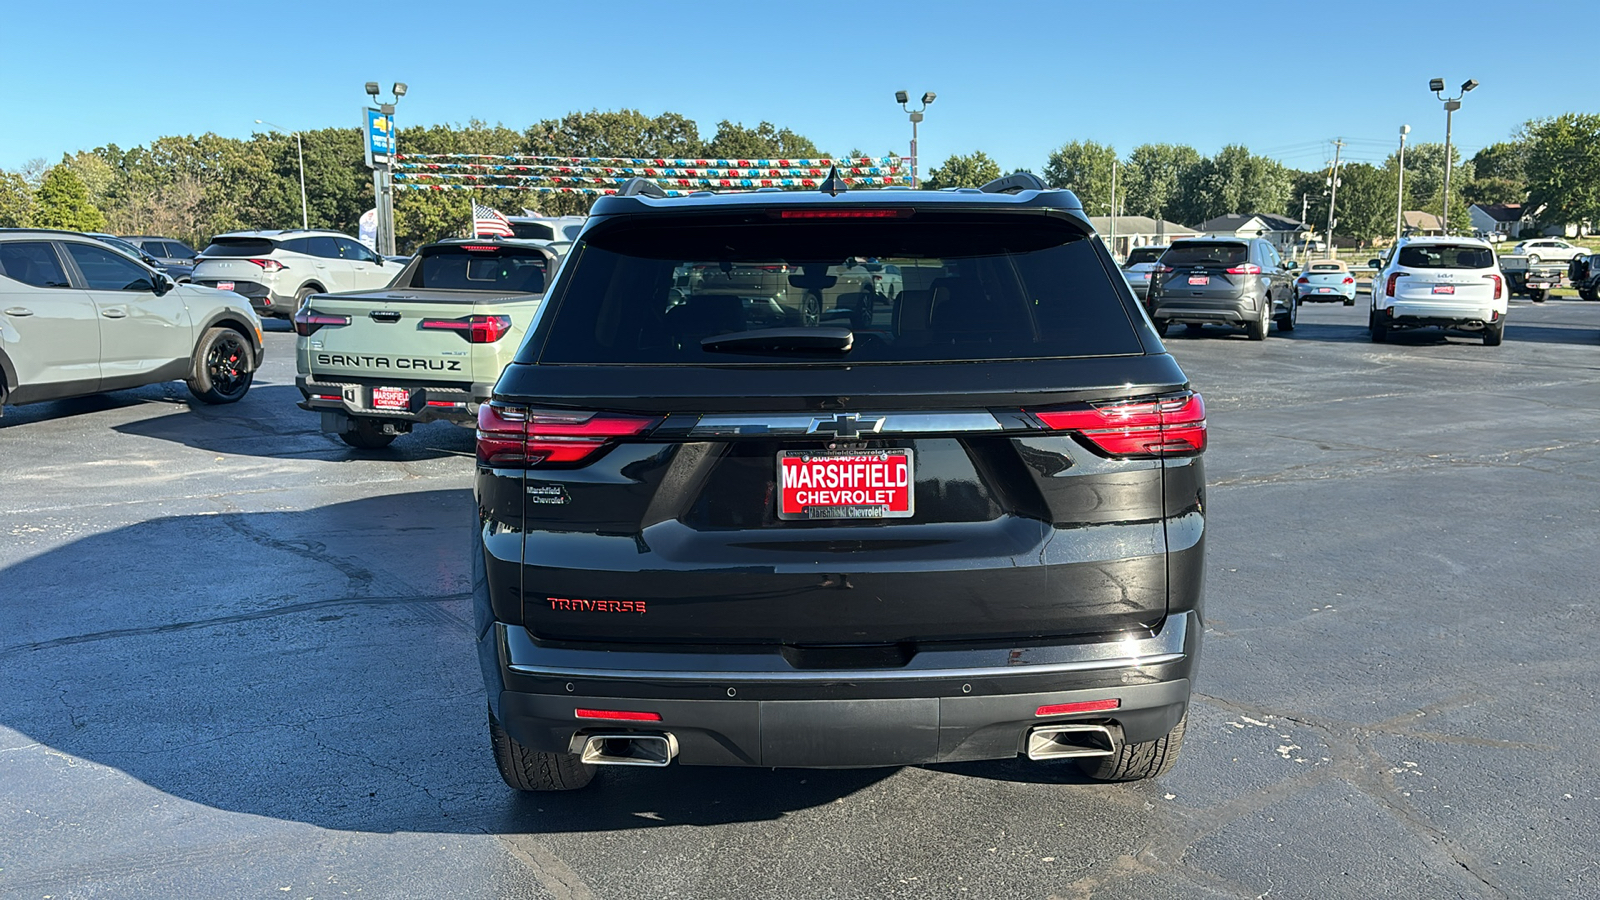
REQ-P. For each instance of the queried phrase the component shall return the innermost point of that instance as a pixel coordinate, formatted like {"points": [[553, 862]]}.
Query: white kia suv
{"points": [[1441, 282], [277, 270]]}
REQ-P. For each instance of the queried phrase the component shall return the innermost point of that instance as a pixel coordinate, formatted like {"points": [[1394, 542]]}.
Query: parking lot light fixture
{"points": [[903, 98], [372, 88], [1451, 104], [300, 151], [399, 89]]}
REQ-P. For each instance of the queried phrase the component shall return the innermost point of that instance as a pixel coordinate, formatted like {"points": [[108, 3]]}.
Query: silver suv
{"points": [[77, 317], [277, 270]]}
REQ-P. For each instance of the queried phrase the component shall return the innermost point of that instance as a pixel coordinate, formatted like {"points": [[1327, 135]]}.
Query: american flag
{"points": [[488, 222]]}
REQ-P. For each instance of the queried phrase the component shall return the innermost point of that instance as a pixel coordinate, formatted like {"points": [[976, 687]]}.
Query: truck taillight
{"points": [[476, 329], [307, 322], [1499, 285], [514, 438], [1167, 426]]}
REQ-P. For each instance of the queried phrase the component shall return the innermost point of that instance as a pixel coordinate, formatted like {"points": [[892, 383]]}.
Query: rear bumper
{"points": [[1234, 311], [429, 403], [1339, 293], [261, 297], [1403, 314], [753, 709]]}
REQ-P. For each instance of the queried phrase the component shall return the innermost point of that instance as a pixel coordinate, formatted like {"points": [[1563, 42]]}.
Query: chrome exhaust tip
{"points": [[629, 749], [1064, 741]]}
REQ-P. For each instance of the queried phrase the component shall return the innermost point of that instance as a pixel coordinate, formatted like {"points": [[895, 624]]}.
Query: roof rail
{"points": [[1014, 183], [834, 185], [641, 187]]}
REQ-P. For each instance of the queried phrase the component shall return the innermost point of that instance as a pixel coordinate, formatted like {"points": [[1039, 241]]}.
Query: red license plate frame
{"points": [[846, 484], [225, 285], [1444, 289], [394, 399], [1200, 279], [1324, 290]]}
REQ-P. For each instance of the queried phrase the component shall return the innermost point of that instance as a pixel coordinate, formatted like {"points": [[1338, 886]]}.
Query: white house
{"points": [[1138, 231], [1282, 231], [1505, 218]]}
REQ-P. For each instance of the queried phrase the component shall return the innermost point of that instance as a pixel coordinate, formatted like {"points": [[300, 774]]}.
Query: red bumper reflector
{"points": [[1082, 706], [617, 715]]}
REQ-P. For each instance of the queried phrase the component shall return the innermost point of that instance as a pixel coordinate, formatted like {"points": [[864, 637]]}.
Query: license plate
{"points": [[866, 484], [224, 285], [1444, 289], [1540, 284], [1324, 290], [391, 398], [1199, 279]]}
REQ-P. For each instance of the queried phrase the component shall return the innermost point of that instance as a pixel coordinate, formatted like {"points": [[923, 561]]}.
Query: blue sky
{"points": [[1013, 79]]}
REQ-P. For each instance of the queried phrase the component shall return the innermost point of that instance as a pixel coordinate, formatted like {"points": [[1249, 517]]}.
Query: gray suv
{"points": [[1222, 281], [77, 317], [277, 270]]}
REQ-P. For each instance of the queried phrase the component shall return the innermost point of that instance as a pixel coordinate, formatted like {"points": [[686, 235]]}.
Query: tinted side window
{"points": [[180, 250], [354, 251], [106, 270], [324, 247], [32, 262]]}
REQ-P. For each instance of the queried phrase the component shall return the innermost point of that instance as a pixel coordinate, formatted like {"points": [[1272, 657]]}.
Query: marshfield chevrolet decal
{"points": [[384, 362]]}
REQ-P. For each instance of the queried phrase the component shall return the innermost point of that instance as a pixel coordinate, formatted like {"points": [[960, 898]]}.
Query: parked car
{"points": [[173, 257], [77, 317], [278, 270], [1553, 249], [125, 248], [1534, 280], [975, 534], [1137, 268], [1585, 276], [546, 228], [1325, 279], [1223, 281], [1440, 282], [426, 348]]}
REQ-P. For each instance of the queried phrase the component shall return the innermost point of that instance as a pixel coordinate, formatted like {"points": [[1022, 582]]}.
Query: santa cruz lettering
{"points": [[384, 362]]}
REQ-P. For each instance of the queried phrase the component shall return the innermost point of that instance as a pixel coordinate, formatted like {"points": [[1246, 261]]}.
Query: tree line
{"points": [[193, 187]]}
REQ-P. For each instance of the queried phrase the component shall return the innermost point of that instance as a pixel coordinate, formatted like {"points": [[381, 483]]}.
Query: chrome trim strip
{"points": [[1130, 652], [736, 425]]}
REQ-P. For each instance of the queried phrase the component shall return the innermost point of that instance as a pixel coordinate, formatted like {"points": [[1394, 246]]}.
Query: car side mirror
{"points": [[162, 285], [1375, 263]]}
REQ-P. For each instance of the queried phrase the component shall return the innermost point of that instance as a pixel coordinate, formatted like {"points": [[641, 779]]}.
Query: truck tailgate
{"points": [[414, 334]]}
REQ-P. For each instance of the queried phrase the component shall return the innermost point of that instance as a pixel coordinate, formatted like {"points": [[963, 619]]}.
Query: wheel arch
{"points": [[237, 321], [8, 376]]}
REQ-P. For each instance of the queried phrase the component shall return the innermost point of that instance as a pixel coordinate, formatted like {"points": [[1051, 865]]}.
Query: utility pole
{"points": [[1113, 207], [1400, 188], [1333, 192], [1305, 249]]}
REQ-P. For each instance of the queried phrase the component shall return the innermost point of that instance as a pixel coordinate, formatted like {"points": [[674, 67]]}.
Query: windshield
{"points": [[650, 293], [1206, 254], [1446, 256], [485, 268], [1143, 255]]}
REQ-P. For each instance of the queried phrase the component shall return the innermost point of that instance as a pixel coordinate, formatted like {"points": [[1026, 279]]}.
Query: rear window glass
{"points": [[650, 292], [1143, 255], [460, 269], [1446, 256], [534, 231], [1326, 267], [239, 247], [1207, 254]]}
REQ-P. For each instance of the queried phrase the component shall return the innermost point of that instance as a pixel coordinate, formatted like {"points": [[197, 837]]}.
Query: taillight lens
{"points": [[1303, 280], [1349, 280], [268, 265], [1499, 285], [476, 329], [1388, 289], [307, 322], [1162, 270], [844, 213], [1168, 426], [1246, 269], [515, 438]]}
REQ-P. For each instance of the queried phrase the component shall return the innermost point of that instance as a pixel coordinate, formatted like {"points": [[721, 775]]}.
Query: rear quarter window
{"points": [[650, 292]]}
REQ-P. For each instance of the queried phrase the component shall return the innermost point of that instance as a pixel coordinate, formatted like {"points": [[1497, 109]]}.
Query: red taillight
{"points": [[1246, 269], [1499, 285], [1303, 280], [1170, 426], [843, 213], [479, 248], [516, 438], [1164, 270], [307, 322], [1349, 280], [1388, 289], [268, 265], [1083, 706], [476, 329], [617, 715]]}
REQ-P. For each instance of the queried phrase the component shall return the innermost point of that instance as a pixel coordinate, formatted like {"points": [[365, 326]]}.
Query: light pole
{"points": [[1400, 187], [1333, 195], [1451, 104], [903, 99], [305, 217], [382, 182]]}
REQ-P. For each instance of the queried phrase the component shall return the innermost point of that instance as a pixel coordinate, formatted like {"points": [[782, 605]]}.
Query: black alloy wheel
{"points": [[223, 368]]}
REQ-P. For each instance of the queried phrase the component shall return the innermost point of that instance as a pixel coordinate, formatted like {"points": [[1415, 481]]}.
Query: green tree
{"points": [[1235, 181], [1563, 168], [16, 201], [1507, 159], [973, 170], [1153, 179], [764, 141], [1084, 167], [1365, 202], [63, 202]]}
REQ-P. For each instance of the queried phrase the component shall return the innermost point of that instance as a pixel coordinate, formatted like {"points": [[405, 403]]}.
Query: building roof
{"points": [[1501, 212], [1140, 225], [1236, 221], [1426, 221]]}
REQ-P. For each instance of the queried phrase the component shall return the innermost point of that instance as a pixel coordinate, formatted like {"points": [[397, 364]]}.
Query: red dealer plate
{"points": [[391, 398], [1444, 289], [1324, 290], [224, 285], [866, 484], [1199, 279]]}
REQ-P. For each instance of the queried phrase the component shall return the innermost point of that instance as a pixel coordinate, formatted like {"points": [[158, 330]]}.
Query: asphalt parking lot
{"points": [[237, 662]]}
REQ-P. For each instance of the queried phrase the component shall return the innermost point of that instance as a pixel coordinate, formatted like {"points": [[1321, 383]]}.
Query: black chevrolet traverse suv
{"points": [[967, 526]]}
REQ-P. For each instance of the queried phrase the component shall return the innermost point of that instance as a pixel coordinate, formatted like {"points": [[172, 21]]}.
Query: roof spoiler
{"points": [[641, 187], [1014, 183]]}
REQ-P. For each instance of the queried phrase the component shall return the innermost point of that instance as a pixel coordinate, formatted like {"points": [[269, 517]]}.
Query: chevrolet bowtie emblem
{"points": [[846, 425]]}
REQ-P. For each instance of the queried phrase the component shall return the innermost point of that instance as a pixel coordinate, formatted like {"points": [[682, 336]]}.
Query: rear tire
{"points": [[1350, 301], [1161, 326], [1494, 333], [1286, 321], [1194, 327], [1587, 294], [367, 435], [1136, 762], [1537, 295], [1257, 330], [533, 770], [223, 367], [303, 294], [1380, 332], [1533, 259]]}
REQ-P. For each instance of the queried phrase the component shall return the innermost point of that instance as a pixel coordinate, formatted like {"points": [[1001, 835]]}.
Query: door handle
{"points": [[18, 311], [115, 312]]}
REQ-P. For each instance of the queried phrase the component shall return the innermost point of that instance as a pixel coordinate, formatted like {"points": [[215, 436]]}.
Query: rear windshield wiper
{"points": [[783, 339]]}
